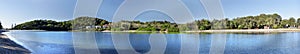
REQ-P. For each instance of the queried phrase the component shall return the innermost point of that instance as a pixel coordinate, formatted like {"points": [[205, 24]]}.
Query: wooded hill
{"points": [[261, 21]]}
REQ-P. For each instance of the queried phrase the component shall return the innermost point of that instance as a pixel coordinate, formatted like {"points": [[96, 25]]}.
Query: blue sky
{"points": [[20, 11]]}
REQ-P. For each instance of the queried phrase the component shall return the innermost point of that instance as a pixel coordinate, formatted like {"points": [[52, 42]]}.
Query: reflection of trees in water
{"points": [[263, 43]]}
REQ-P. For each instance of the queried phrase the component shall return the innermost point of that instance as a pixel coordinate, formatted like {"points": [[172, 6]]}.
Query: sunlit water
{"points": [[50, 42]]}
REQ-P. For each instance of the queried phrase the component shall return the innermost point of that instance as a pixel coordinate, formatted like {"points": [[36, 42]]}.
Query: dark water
{"points": [[47, 42]]}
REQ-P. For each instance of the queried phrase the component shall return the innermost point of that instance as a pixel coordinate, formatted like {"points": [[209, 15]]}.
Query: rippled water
{"points": [[49, 42]]}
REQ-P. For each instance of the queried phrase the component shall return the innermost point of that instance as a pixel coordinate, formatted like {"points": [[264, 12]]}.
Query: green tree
{"points": [[292, 21], [147, 29], [173, 29], [285, 23], [298, 21], [203, 24], [1, 26]]}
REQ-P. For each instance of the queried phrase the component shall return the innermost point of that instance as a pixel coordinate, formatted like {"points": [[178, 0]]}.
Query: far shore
{"points": [[224, 30], [210, 31]]}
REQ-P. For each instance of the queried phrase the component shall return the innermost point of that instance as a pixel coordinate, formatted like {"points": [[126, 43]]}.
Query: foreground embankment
{"points": [[8, 46]]}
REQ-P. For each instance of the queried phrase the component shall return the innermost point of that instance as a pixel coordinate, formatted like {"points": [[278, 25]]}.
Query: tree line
{"points": [[51, 25], [261, 21]]}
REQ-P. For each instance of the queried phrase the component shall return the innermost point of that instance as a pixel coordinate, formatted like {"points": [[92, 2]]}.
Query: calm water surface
{"points": [[49, 42]]}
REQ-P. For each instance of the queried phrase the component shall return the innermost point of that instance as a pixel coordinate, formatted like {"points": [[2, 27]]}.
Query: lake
{"points": [[61, 42]]}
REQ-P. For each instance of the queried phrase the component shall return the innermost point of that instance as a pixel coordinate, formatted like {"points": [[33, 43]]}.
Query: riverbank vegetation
{"points": [[262, 21], [44, 25]]}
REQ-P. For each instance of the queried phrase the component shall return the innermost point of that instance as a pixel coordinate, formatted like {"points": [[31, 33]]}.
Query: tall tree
{"points": [[292, 21], [298, 21], [285, 23], [203, 24], [1, 26]]}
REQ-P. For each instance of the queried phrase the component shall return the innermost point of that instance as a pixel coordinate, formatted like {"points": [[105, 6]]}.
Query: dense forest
{"points": [[51, 25], [262, 21], [44, 25]]}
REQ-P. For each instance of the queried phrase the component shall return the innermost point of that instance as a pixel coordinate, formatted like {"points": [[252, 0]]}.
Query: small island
{"points": [[259, 23]]}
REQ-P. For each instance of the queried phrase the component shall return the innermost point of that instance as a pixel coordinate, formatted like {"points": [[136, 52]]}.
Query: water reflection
{"points": [[236, 43], [44, 42]]}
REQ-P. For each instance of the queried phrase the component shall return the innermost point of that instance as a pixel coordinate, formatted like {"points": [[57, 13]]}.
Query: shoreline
{"points": [[225, 30], [210, 31], [250, 30], [7, 46]]}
